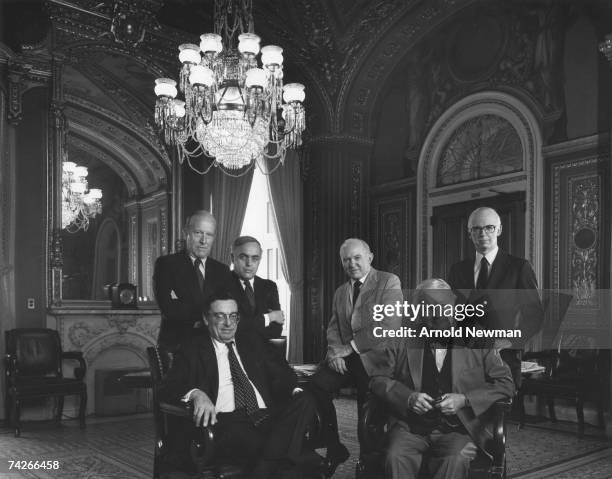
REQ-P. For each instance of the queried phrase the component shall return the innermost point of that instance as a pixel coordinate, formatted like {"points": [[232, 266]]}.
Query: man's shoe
{"points": [[336, 455]]}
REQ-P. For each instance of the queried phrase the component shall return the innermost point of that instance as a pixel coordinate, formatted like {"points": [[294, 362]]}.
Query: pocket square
{"points": [[173, 294]]}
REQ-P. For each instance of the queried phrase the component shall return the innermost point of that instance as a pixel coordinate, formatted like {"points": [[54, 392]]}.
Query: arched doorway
{"points": [[484, 150]]}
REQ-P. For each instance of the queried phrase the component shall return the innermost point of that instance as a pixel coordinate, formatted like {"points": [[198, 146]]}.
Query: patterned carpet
{"points": [[122, 448]]}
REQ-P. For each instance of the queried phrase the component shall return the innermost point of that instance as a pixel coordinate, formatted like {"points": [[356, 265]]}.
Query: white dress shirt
{"points": [[225, 396], [490, 258], [202, 266]]}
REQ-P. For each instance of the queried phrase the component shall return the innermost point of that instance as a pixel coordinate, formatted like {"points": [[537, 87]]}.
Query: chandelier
{"points": [[605, 47], [234, 110], [78, 203]]}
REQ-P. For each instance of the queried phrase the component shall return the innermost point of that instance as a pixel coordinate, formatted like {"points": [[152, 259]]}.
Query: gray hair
{"points": [[199, 214], [365, 245], [426, 285]]}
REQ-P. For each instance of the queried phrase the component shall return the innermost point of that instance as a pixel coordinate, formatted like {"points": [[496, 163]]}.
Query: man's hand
{"points": [[420, 402], [203, 409], [337, 364], [451, 403], [276, 316]]}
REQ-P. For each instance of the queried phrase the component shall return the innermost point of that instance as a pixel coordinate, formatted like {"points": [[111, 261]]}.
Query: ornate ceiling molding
{"points": [[382, 54]]}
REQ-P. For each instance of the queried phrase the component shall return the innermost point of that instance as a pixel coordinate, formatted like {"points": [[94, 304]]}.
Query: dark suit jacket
{"points": [[512, 297], [195, 366], [479, 374], [266, 299], [176, 274]]}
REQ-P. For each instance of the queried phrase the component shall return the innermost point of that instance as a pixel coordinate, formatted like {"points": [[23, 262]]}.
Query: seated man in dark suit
{"points": [[246, 391], [183, 281], [437, 390], [257, 297]]}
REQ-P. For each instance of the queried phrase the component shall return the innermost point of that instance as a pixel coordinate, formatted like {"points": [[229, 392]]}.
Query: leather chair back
{"points": [[37, 351]]}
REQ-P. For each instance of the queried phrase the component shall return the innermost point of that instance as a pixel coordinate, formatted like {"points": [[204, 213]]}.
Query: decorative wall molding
{"points": [[579, 233]]}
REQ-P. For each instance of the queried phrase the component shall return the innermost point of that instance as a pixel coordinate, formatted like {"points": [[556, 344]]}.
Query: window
{"points": [[260, 204]]}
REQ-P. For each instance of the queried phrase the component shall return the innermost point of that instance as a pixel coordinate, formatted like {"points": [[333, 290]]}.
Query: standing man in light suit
{"points": [[350, 338]]}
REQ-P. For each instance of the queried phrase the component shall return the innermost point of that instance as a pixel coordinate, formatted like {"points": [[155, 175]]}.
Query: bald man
{"points": [[351, 339], [183, 281], [505, 283]]}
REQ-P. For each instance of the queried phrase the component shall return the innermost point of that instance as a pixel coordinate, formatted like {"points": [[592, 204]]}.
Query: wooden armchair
{"points": [[574, 370], [202, 459], [33, 365], [373, 436]]}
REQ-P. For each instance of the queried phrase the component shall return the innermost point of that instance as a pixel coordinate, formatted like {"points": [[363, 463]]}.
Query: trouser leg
{"points": [[451, 454], [405, 452], [285, 433], [323, 385]]}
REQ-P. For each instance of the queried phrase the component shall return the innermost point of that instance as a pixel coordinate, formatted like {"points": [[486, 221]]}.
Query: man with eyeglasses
{"points": [[437, 389], [505, 284], [257, 297], [243, 389], [183, 281]]}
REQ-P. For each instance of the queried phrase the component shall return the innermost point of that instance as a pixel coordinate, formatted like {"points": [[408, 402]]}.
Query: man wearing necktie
{"points": [[436, 391], [247, 392], [257, 297], [183, 281], [506, 284], [350, 338]]}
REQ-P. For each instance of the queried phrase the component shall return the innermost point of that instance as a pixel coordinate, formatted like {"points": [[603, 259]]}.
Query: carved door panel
{"points": [[451, 242]]}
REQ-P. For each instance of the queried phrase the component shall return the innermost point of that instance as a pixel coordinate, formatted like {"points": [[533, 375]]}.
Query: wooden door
{"points": [[451, 242]]}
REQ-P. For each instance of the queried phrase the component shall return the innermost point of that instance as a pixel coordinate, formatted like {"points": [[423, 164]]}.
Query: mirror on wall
{"points": [[96, 253]]}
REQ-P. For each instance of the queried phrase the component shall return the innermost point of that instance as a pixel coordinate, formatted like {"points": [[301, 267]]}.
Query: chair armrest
{"points": [[498, 443], [178, 410], [372, 426], [202, 445], [10, 364], [79, 372], [202, 448]]}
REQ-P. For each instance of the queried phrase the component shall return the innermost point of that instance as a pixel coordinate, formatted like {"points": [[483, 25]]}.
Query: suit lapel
{"points": [[260, 295], [208, 360], [415, 363], [189, 273], [243, 302], [457, 365], [368, 285], [498, 269], [348, 291]]}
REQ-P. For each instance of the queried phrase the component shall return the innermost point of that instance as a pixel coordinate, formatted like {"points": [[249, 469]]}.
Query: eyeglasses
{"points": [[487, 229], [231, 317]]}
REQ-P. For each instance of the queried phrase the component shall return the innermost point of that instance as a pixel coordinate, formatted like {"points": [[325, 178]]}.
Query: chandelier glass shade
{"points": [[79, 203], [235, 109]]}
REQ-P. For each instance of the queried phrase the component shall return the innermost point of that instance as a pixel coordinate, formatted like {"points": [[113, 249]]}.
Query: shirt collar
{"points": [[220, 346], [491, 255], [193, 258], [252, 281], [362, 280]]}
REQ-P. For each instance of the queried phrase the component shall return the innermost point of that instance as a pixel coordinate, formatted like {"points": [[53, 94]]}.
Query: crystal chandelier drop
{"points": [[78, 203], [234, 110]]}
